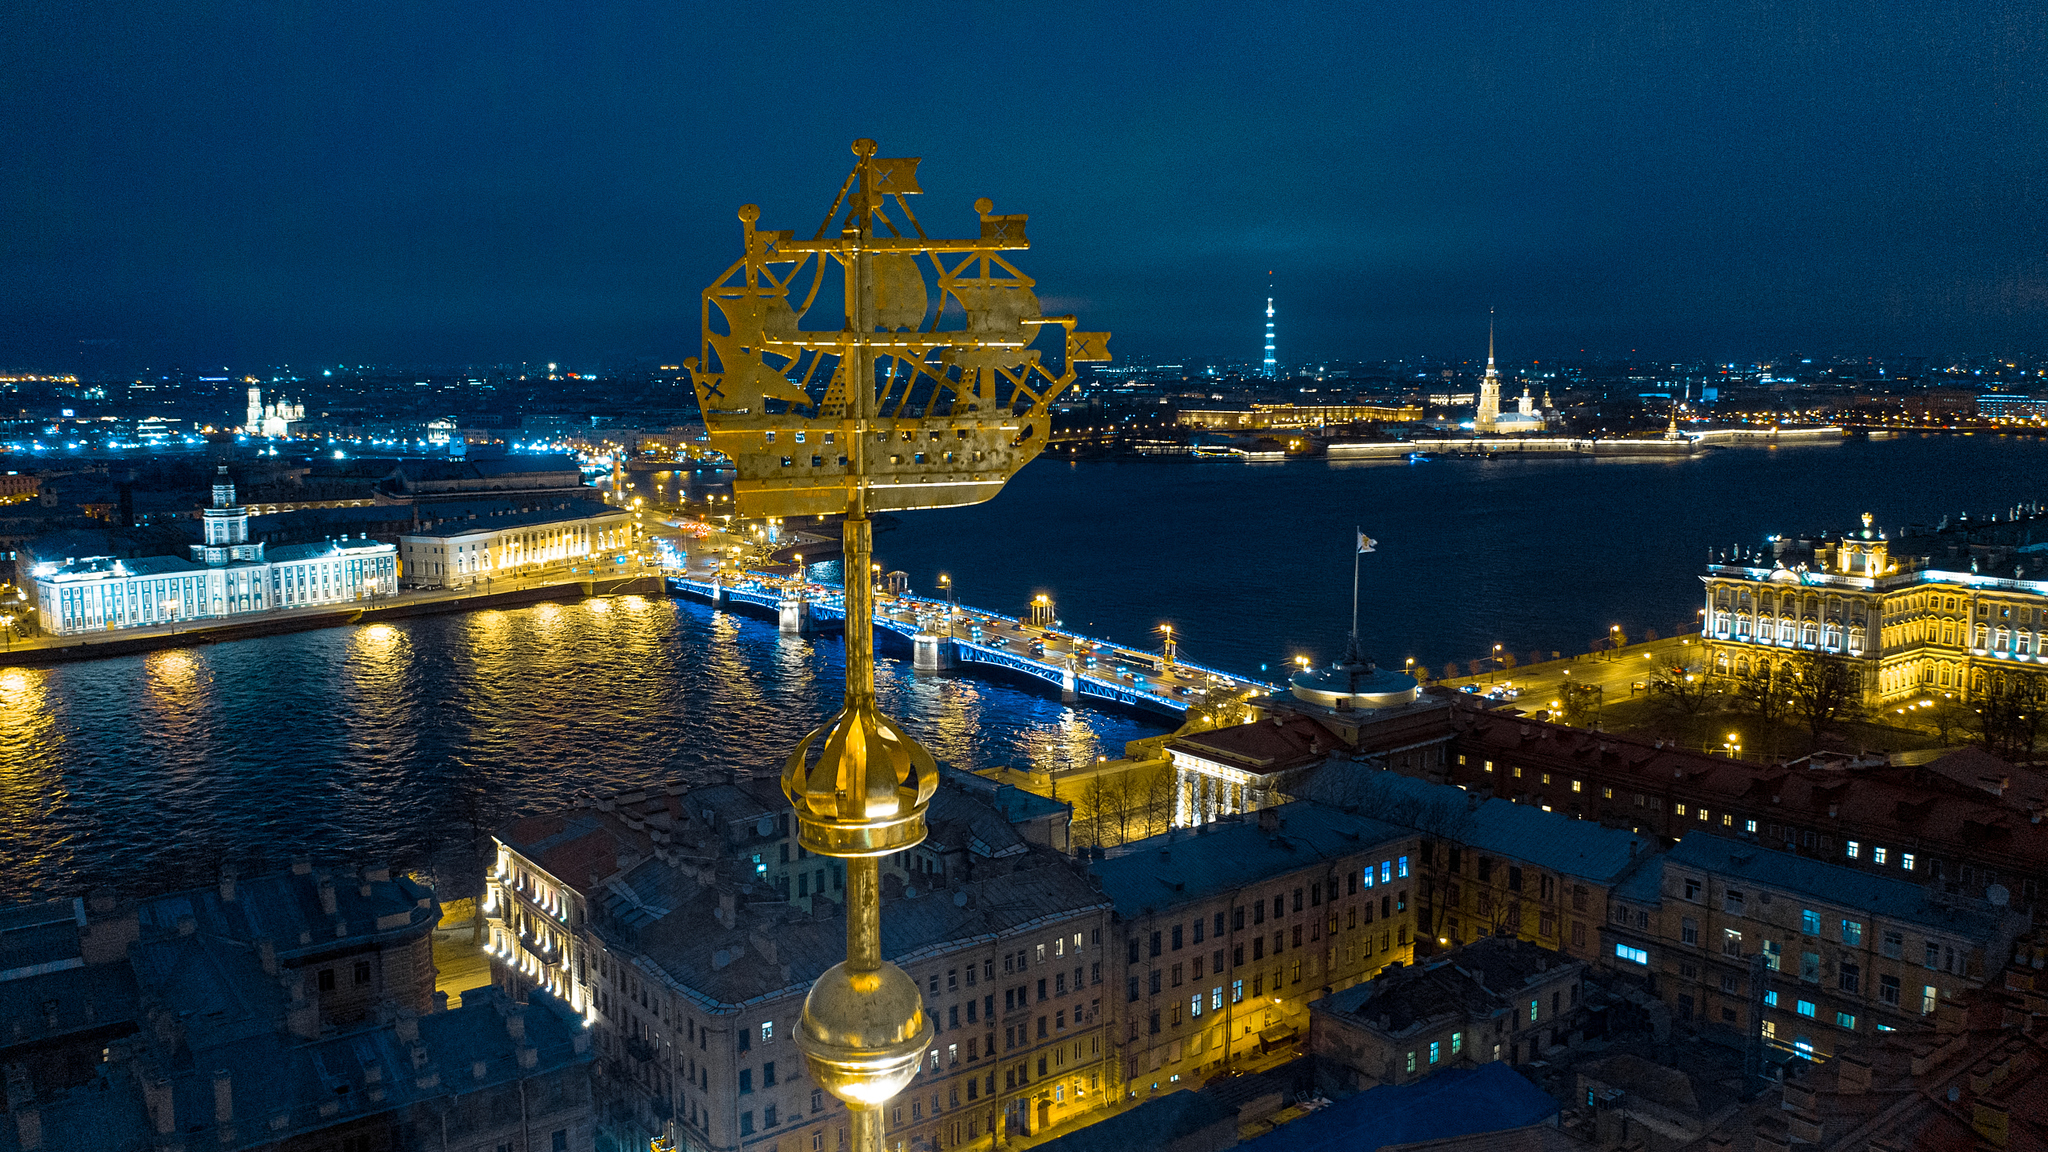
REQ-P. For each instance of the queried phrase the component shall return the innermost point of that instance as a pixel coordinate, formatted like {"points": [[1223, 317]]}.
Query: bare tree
{"points": [[2008, 713], [1764, 693], [1824, 689], [1682, 686], [1581, 704]]}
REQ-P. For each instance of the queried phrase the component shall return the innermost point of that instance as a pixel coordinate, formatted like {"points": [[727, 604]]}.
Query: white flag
{"points": [[1365, 542]]}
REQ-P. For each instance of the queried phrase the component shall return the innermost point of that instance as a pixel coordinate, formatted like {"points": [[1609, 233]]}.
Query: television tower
{"points": [[1272, 366]]}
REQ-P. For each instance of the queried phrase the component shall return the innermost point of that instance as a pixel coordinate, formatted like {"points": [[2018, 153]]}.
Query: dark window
{"points": [[327, 979], [1236, 920], [1176, 937], [1155, 944], [1153, 985], [1041, 991], [1133, 987], [746, 1080], [559, 1142], [1514, 878], [746, 1123], [1134, 950], [768, 1075], [362, 972]]}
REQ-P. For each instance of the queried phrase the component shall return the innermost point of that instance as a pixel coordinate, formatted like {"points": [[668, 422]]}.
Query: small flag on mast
{"points": [[1365, 542]]}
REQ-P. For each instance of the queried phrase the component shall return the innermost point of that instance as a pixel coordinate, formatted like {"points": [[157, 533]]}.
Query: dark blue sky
{"points": [[431, 181]]}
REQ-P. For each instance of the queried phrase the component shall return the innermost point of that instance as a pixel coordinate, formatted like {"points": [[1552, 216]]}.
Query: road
{"points": [[1619, 674]]}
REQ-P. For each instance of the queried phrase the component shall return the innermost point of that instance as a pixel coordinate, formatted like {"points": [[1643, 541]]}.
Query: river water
{"points": [[396, 742]]}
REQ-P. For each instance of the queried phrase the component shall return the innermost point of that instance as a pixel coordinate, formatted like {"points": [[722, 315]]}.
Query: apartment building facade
{"points": [[1813, 955], [1225, 935]]}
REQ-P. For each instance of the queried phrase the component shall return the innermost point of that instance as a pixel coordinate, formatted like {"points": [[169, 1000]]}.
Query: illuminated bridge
{"points": [[936, 636]]}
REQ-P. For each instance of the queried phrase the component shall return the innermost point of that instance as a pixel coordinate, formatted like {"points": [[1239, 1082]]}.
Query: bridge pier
{"points": [[931, 653], [717, 593], [793, 617], [1069, 689]]}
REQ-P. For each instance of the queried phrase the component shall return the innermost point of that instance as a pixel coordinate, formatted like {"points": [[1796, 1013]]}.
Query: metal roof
{"points": [[1182, 867]]}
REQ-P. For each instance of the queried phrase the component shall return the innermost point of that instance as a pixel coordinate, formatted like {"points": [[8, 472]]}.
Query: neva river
{"points": [[397, 742]]}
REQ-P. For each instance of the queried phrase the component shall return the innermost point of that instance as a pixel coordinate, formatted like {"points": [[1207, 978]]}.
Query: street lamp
{"points": [[1496, 664], [1614, 638]]}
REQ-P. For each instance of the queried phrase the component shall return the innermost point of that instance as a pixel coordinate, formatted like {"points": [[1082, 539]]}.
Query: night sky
{"points": [[430, 182]]}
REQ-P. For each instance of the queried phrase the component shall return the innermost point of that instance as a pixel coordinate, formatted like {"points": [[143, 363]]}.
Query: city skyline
{"points": [[320, 188]]}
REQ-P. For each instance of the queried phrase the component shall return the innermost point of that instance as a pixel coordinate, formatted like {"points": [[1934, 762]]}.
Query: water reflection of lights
{"points": [[598, 605]]}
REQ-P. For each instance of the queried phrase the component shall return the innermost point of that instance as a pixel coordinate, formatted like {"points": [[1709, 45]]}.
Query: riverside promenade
{"points": [[570, 584]]}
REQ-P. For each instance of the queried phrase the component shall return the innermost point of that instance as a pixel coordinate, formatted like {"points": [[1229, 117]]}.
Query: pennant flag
{"points": [[1365, 542]]}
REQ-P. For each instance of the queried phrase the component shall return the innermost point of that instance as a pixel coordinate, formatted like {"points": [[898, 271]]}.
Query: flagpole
{"points": [[1356, 552]]}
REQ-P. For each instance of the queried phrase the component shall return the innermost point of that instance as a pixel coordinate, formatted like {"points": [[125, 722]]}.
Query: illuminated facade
{"points": [[1225, 938], [272, 421], [1935, 613], [458, 552], [1488, 415], [1263, 416], [228, 575]]}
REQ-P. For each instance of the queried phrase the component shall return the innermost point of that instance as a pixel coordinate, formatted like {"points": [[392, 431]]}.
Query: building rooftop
{"points": [[1476, 981], [1832, 884], [1894, 804], [527, 515], [1550, 840], [767, 947], [286, 909], [1156, 1124], [1454, 1102], [1285, 740], [1182, 867]]}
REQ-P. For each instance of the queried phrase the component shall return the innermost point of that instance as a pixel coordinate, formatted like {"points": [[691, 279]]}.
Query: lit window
{"points": [[767, 1031], [1576, 786], [1877, 855], [1489, 768], [1680, 808], [1749, 826], [1852, 932], [1632, 955], [1805, 1008], [1906, 861], [1703, 814], [1457, 1042], [1771, 998], [1436, 1051], [1855, 849], [1845, 1020], [1809, 922], [1411, 1061], [1404, 867], [1928, 996]]}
